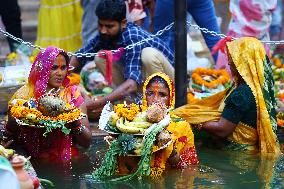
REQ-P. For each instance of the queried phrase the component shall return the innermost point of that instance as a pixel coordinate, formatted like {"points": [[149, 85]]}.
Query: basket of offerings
{"points": [[133, 123], [48, 112], [206, 82]]}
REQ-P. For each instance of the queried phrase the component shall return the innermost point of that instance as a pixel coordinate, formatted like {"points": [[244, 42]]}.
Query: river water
{"points": [[217, 169]]}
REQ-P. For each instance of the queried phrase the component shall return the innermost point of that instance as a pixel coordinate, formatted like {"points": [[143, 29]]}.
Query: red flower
{"points": [[182, 139], [188, 157], [35, 182], [158, 160]]}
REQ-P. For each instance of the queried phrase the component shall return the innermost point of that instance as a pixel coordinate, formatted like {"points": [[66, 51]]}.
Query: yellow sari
{"points": [[182, 137], [151, 163], [59, 24], [249, 58]]}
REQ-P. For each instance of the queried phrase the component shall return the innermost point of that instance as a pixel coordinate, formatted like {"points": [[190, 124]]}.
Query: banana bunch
{"points": [[138, 125], [140, 117], [113, 119], [142, 124], [6, 152], [127, 129]]}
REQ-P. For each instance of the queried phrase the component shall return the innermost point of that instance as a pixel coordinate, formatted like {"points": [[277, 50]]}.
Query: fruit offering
{"points": [[7, 153], [49, 112], [131, 119]]}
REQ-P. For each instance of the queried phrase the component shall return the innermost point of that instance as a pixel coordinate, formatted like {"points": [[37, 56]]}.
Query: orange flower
{"points": [[190, 97], [280, 122], [20, 112], [221, 77], [74, 79], [277, 62]]}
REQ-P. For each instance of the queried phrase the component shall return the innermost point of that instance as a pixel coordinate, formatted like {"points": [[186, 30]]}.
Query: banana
{"points": [[138, 151], [113, 119], [6, 152], [142, 124], [140, 117], [139, 145], [127, 129]]}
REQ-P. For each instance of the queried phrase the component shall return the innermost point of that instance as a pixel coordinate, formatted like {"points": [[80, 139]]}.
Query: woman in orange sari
{"points": [[49, 72]]}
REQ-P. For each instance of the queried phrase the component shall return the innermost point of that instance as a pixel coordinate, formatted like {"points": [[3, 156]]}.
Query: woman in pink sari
{"points": [[49, 72]]}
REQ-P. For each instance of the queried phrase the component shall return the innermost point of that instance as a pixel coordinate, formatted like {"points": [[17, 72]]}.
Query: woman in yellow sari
{"points": [[244, 115], [180, 153]]}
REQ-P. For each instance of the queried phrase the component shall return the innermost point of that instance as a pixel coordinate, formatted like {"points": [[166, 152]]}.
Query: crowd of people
{"points": [[241, 118]]}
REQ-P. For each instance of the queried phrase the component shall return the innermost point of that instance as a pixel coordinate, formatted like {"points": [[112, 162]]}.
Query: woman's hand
{"points": [[222, 128], [198, 126], [73, 125], [6, 144], [174, 158]]}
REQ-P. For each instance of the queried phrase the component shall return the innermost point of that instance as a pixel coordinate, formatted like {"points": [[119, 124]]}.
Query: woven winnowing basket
{"points": [[5, 95]]}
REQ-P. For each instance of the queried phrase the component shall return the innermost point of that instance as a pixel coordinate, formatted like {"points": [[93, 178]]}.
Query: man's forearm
{"points": [[126, 88]]}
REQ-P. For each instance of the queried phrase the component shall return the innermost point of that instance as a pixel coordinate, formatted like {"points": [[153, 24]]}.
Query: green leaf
{"points": [[65, 130]]}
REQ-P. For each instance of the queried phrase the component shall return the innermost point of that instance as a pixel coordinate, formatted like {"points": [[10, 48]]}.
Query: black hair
{"points": [[111, 10], [67, 59], [158, 79]]}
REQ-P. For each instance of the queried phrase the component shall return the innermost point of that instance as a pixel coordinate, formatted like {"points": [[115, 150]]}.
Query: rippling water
{"points": [[218, 169]]}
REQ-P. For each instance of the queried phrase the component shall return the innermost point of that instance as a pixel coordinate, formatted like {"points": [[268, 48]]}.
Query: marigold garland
{"points": [[277, 62], [190, 97], [127, 111], [74, 79], [21, 112], [222, 77]]}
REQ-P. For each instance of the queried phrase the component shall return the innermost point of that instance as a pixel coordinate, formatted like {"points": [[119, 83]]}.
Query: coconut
{"points": [[163, 138], [51, 105], [156, 112]]}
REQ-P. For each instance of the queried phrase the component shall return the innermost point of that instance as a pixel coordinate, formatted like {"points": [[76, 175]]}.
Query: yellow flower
{"points": [[127, 111], [19, 111], [32, 59], [11, 56]]}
